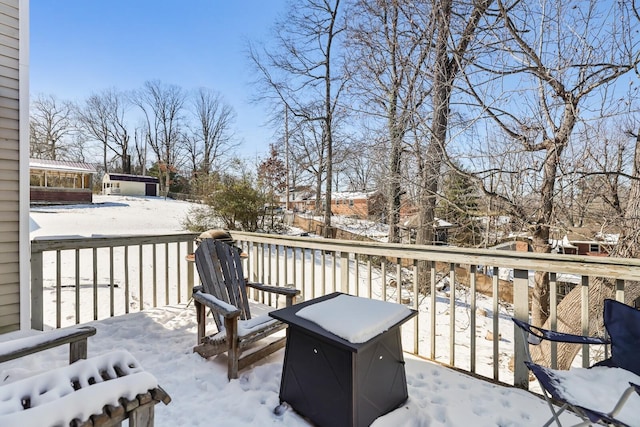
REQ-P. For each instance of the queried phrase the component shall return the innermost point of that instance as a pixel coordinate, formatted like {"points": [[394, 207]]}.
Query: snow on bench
{"points": [[75, 336], [100, 391]]}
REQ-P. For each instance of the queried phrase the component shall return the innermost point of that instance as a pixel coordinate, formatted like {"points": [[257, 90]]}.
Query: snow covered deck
{"points": [[162, 340]]}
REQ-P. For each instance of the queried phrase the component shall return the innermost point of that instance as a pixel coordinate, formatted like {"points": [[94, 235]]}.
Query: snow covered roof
{"points": [[412, 222], [351, 195], [562, 243], [608, 238], [61, 165]]}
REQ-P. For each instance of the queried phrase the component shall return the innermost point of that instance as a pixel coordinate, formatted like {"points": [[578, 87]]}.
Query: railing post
{"points": [[37, 300], [521, 312], [190, 275], [584, 318], [344, 272], [255, 266]]}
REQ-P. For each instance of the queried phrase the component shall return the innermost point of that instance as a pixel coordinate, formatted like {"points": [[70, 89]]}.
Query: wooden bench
{"points": [[76, 337], [101, 391]]}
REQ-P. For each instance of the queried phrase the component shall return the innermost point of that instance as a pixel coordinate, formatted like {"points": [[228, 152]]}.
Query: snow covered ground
{"points": [[162, 340], [111, 215]]}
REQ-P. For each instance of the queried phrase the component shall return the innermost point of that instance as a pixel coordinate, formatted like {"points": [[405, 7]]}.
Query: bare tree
{"points": [[554, 61], [591, 182], [307, 150], [140, 141], [301, 72], [628, 246], [162, 106], [103, 118], [51, 127], [363, 166], [390, 45], [211, 135], [456, 30]]}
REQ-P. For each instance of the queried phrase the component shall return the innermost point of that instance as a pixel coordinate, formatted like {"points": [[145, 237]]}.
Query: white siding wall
{"points": [[129, 188], [10, 170]]}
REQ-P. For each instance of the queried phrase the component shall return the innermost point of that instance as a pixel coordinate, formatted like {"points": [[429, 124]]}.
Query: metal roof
{"points": [[61, 165]]}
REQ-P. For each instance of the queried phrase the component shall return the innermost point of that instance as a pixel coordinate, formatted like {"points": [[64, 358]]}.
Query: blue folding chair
{"points": [[622, 323]]}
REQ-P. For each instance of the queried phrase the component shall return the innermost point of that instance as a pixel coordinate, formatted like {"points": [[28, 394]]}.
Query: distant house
{"points": [[60, 182], [351, 203], [599, 245], [130, 185], [301, 199], [357, 204], [575, 242], [408, 230]]}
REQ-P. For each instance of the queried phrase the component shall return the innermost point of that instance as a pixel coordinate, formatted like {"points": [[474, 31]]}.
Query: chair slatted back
{"points": [[220, 270], [233, 276]]}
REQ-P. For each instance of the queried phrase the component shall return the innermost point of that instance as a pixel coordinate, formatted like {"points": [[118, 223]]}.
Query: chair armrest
{"points": [[216, 305], [33, 344], [281, 290], [537, 335]]}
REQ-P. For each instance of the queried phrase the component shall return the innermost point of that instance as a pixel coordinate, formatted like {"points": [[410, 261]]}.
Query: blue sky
{"points": [[83, 46]]}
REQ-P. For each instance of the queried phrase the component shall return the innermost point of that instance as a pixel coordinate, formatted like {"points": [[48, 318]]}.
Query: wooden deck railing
{"points": [[319, 266], [119, 274], [114, 274]]}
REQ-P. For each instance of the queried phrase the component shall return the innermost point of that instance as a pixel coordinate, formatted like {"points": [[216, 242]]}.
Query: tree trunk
{"points": [[328, 182], [540, 303], [394, 191], [444, 73]]}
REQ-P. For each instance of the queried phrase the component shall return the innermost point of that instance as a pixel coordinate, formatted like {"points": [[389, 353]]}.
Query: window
{"points": [[36, 180], [594, 247]]}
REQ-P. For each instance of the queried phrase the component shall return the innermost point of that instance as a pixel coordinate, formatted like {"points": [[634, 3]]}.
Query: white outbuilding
{"points": [[130, 185]]}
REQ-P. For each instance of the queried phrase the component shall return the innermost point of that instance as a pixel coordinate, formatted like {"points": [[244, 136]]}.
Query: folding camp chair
{"points": [[622, 323], [554, 387]]}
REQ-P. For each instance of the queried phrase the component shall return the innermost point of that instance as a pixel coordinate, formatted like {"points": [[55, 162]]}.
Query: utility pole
{"points": [[286, 153]]}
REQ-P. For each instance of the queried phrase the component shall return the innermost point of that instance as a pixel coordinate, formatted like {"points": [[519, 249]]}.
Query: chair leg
{"points": [[556, 415], [202, 320], [231, 326], [142, 416]]}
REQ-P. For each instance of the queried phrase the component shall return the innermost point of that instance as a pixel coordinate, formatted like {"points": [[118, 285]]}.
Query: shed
{"points": [[60, 182], [130, 185]]}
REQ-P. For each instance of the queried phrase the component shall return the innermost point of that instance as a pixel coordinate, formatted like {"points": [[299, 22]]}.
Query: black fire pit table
{"points": [[350, 370]]}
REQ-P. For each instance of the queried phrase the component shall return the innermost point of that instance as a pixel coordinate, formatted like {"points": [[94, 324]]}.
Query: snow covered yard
{"points": [[162, 340]]}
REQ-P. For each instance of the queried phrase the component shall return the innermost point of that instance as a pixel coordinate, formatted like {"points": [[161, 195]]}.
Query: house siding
{"points": [[10, 156]]}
